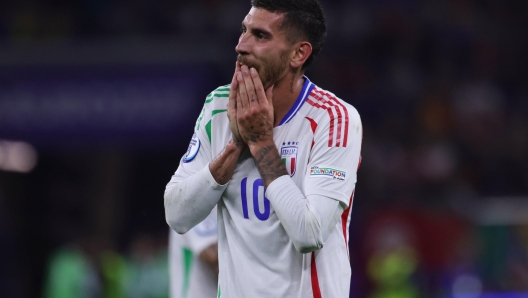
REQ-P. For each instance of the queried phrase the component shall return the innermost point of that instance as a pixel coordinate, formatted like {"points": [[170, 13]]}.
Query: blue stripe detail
{"points": [[305, 91]]}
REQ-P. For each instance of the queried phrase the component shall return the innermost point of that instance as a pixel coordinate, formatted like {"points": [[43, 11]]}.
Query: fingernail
{"points": [[244, 69], [253, 71], [239, 76]]}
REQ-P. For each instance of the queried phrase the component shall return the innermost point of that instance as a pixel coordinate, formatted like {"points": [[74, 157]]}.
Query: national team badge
{"points": [[289, 156]]}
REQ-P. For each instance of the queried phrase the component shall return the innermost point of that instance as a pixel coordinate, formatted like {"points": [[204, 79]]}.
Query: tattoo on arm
{"points": [[219, 169], [255, 135], [237, 142], [223, 165], [269, 164]]}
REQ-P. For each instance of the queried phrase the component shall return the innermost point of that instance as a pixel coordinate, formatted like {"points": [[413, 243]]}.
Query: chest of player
{"points": [[245, 195]]}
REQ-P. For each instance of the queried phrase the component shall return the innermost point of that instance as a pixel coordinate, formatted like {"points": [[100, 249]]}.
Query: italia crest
{"points": [[289, 156]]}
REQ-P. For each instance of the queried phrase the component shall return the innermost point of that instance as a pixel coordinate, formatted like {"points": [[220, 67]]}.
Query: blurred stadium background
{"points": [[98, 100]]}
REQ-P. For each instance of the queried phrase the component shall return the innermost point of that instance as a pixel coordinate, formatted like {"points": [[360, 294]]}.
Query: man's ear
{"points": [[303, 50]]}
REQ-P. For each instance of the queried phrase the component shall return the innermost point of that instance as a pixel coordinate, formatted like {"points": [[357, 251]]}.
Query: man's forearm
{"points": [[223, 166], [308, 226], [307, 220], [268, 162], [188, 200]]}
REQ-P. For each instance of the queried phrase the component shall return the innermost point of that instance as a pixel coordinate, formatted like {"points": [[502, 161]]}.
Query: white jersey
{"points": [[319, 140], [189, 276]]}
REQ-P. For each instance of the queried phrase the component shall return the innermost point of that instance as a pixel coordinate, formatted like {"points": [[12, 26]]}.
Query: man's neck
{"points": [[285, 93]]}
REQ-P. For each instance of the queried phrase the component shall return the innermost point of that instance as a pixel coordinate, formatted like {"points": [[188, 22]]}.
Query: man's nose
{"points": [[242, 47]]}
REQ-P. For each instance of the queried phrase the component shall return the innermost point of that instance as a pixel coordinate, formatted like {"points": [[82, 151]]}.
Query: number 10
{"points": [[256, 185]]}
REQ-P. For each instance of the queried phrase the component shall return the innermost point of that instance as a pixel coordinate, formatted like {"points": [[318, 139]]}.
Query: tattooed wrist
{"points": [[239, 143], [269, 163], [254, 135]]}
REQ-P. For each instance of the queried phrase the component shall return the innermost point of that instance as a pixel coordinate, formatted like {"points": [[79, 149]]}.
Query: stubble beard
{"points": [[269, 71]]}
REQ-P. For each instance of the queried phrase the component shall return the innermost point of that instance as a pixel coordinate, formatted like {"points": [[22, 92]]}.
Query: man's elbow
{"points": [[307, 245], [177, 226], [175, 220], [309, 237]]}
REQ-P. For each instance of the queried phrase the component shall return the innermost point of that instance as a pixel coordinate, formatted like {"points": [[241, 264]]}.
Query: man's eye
{"points": [[261, 36]]}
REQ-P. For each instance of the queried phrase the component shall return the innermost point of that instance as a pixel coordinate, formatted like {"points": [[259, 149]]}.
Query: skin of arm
{"points": [[209, 256]]}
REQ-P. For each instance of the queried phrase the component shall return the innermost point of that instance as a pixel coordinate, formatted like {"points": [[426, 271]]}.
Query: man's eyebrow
{"points": [[257, 31]]}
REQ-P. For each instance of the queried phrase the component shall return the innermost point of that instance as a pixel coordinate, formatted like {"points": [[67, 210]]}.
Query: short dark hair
{"points": [[304, 19]]}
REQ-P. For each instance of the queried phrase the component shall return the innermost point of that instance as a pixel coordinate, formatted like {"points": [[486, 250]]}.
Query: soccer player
{"points": [[193, 260], [278, 156]]}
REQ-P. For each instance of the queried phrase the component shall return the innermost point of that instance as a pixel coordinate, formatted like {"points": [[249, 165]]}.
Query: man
{"points": [[278, 156], [193, 260]]}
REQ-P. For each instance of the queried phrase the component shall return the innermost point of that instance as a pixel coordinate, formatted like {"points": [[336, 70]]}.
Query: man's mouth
{"points": [[240, 61]]}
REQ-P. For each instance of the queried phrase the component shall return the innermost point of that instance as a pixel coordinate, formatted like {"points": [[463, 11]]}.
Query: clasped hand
{"points": [[250, 108]]}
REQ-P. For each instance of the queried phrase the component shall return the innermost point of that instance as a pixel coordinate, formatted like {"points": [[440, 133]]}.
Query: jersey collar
{"points": [[305, 91]]}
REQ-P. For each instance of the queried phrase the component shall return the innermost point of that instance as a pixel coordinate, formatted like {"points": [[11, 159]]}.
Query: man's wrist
{"points": [[235, 146], [223, 165], [239, 143], [268, 161], [256, 147]]}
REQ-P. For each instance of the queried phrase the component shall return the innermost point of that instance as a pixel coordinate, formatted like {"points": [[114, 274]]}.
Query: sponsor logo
{"points": [[289, 156], [327, 172], [192, 150]]}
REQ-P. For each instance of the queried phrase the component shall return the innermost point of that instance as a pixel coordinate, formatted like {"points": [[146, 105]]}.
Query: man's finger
{"points": [[250, 88], [238, 98], [242, 100], [233, 90], [259, 88]]}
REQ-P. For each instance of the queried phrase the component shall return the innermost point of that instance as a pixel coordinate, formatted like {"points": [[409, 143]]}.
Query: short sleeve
{"points": [[332, 167]]}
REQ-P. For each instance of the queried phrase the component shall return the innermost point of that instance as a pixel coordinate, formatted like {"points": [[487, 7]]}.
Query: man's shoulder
{"points": [[324, 102], [219, 92], [215, 104]]}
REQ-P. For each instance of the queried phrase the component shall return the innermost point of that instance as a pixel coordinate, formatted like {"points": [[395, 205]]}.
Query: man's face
{"points": [[263, 45]]}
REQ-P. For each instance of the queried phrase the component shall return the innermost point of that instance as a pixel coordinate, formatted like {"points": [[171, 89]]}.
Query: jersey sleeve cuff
{"points": [[211, 180]]}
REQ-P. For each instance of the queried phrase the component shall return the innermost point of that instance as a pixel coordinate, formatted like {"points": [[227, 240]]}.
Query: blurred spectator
{"points": [[147, 268], [193, 259], [73, 271], [87, 267]]}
